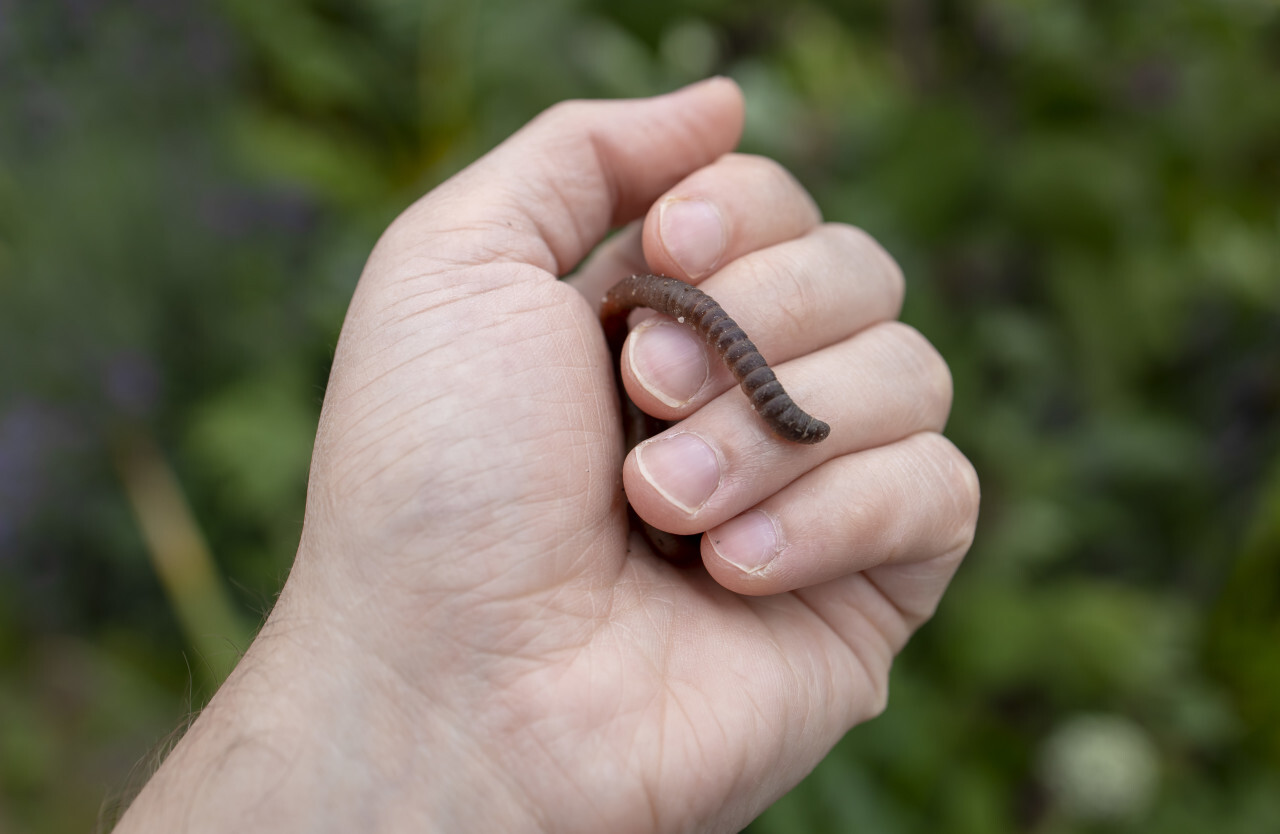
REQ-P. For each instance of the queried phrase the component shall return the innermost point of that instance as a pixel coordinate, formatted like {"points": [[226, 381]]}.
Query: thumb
{"points": [[465, 380], [548, 194]]}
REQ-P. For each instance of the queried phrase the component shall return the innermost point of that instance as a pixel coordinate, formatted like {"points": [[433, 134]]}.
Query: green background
{"points": [[1085, 197]]}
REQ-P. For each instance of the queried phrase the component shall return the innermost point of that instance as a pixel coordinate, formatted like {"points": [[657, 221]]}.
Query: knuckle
{"points": [[776, 173], [924, 364], [569, 110], [759, 166], [795, 296], [570, 120], [878, 700], [959, 480], [773, 299], [771, 181], [865, 520], [871, 261]]}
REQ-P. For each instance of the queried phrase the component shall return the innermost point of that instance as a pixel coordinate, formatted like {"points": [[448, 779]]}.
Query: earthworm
{"points": [[691, 306]]}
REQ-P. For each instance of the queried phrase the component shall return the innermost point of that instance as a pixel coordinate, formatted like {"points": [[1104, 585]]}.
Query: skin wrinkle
{"points": [[674, 702], [414, 519], [568, 748], [356, 438], [734, 783], [921, 468], [425, 258], [246, 742], [639, 742], [913, 474], [650, 790], [563, 255], [800, 293], [587, 797], [507, 249], [879, 683], [500, 325], [943, 567], [965, 496], [455, 500], [556, 262], [355, 396], [598, 151], [594, 616], [601, 152], [928, 467], [363, 420], [372, 438], [927, 409], [907, 619], [556, 551], [454, 727], [864, 520], [500, 242], [660, 702], [425, 261], [341, 398], [513, 637], [461, 291]]}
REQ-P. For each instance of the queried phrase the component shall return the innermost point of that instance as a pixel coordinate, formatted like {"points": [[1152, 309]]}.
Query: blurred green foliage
{"points": [[1085, 197]]}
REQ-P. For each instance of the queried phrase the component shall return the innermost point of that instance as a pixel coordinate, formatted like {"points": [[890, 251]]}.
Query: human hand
{"points": [[471, 637]]}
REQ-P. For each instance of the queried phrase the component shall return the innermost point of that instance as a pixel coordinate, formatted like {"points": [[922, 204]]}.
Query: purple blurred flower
{"points": [[131, 382], [32, 433], [1153, 84], [238, 213]]}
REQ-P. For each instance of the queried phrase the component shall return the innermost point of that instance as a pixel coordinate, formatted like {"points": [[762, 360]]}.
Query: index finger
{"points": [[736, 205], [714, 216]]}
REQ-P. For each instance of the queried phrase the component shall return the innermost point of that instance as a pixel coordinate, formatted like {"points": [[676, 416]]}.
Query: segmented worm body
{"points": [[690, 305]]}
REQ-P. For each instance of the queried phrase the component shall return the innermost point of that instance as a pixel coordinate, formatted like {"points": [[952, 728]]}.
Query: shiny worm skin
{"points": [[691, 306]]}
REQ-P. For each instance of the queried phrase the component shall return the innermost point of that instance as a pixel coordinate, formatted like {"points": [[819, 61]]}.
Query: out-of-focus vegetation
{"points": [[1085, 197]]}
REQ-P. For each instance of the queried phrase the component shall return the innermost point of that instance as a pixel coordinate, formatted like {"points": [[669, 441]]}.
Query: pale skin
{"points": [[471, 638]]}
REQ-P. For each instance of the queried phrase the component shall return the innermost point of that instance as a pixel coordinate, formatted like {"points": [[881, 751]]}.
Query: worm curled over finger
{"points": [[691, 306]]}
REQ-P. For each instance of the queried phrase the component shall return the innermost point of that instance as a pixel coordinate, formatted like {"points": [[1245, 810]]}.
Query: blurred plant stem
{"points": [[181, 557]]}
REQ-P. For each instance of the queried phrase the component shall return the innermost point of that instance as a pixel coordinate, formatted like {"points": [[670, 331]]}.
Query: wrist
{"points": [[311, 732]]}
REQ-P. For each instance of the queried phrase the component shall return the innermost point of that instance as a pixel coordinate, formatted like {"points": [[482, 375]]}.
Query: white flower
{"points": [[1100, 767]]}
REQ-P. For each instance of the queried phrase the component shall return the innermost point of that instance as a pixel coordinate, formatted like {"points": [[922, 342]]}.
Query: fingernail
{"points": [[692, 233], [668, 361], [681, 467], [748, 542]]}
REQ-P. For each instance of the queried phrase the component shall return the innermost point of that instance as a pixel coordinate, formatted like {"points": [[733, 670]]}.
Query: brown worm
{"points": [[690, 305]]}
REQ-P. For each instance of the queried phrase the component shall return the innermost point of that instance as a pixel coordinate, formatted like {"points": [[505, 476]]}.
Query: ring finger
{"points": [[905, 503]]}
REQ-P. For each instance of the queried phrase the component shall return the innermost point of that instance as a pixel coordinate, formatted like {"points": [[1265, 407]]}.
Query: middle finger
{"points": [[883, 384]]}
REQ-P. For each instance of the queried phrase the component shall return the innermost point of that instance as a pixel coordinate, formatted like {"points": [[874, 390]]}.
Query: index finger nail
{"points": [[668, 361], [693, 234]]}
